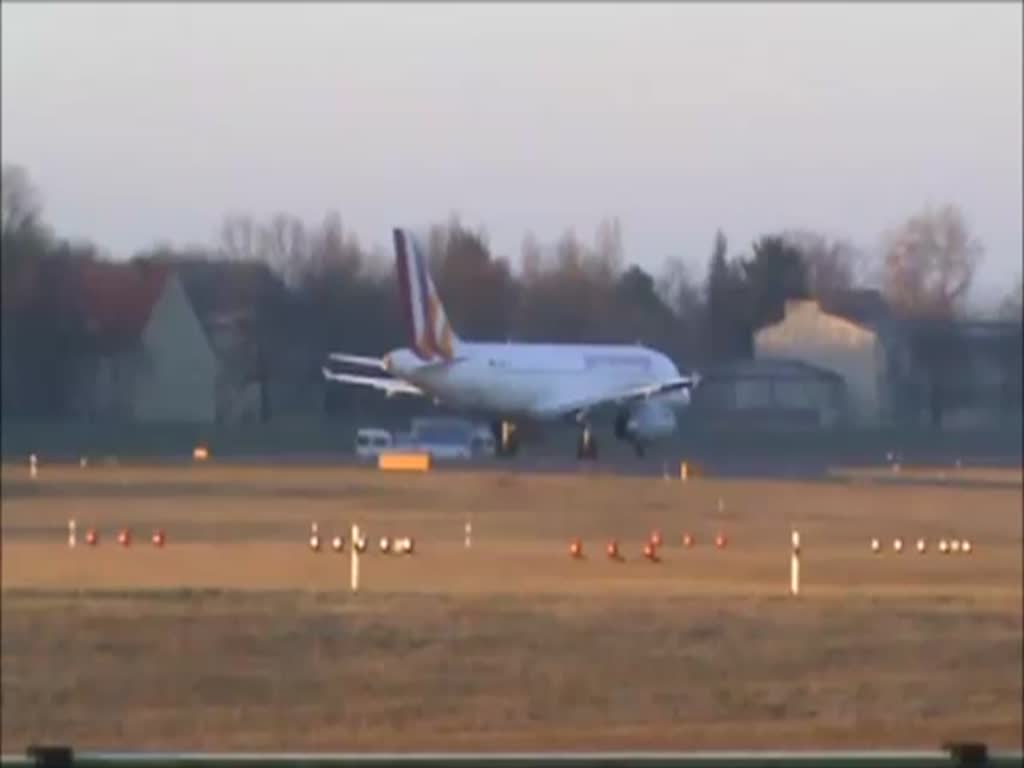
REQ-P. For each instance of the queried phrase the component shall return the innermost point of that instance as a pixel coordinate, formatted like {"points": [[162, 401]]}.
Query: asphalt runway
{"points": [[820, 469]]}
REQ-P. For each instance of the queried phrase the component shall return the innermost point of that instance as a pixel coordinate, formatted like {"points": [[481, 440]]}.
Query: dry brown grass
{"points": [[236, 637]]}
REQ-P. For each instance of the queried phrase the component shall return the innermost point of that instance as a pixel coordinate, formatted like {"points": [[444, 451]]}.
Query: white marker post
{"points": [[794, 565], [33, 468], [355, 558], [469, 534], [72, 535]]}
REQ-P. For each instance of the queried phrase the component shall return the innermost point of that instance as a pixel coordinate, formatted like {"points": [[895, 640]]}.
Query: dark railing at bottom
{"points": [[950, 756]]}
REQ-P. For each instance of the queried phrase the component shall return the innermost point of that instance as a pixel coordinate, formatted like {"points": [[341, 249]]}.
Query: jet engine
{"points": [[647, 421]]}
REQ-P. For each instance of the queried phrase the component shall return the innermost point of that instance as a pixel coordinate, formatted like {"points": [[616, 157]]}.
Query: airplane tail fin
{"points": [[430, 333]]}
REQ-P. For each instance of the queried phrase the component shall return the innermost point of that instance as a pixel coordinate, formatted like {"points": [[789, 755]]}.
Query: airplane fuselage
{"points": [[513, 383], [532, 379]]}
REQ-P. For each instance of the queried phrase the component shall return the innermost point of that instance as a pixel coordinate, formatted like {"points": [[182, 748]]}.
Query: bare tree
{"points": [[282, 243], [333, 251], [676, 288], [929, 263], [476, 288], [531, 258], [684, 298], [21, 205], [238, 238], [1012, 306], [608, 254], [831, 266]]}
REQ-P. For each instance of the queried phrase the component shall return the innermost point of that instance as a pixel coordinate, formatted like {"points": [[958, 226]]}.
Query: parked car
{"points": [[371, 442]]}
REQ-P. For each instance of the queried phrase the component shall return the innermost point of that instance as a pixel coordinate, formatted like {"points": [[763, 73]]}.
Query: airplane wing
{"points": [[625, 396], [390, 387]]}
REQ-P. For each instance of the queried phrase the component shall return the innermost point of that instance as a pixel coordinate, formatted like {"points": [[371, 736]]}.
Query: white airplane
{"points": [[521, 383]]}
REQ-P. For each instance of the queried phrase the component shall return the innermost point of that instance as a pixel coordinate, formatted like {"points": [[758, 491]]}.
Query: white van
{"points": [[371, 442]]}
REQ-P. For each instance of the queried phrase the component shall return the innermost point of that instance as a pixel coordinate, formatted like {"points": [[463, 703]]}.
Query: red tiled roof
{"points": [[117, 299]]}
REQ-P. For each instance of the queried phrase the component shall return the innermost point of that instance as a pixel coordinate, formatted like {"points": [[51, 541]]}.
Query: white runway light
{"points": [[922, 547], [876, 545], [897, 545], [794, 564], [356, 547], [404, 545]]}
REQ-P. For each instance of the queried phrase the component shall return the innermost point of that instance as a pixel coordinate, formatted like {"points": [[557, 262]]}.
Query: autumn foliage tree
{"points": [[929, 263]]}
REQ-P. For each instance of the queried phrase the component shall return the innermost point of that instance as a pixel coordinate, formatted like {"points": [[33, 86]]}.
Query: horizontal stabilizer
{"points": [[390, 387], [368, 362]]}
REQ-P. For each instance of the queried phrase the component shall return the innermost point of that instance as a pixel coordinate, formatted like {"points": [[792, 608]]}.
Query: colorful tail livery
{"points": [[430, 333]]}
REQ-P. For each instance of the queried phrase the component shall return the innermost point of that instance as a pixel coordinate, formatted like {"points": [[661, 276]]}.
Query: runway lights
{"points": [[612, 550], [651, 552], [576, 549], [405, 545]]}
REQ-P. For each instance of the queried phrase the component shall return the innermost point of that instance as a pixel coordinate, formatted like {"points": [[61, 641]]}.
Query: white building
{"points": [[853, 351]]}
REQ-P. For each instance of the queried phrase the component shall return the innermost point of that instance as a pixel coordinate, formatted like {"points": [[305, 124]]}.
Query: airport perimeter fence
{"points": [[951, 756]]}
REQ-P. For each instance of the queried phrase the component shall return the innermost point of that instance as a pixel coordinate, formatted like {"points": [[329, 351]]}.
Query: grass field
{"points": [[236, 636]]}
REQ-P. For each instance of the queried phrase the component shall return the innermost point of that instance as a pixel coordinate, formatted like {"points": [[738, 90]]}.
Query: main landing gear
{"points": [[586, 444], [505, 438]]}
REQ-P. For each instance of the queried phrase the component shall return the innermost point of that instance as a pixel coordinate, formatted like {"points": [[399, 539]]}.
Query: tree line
{"points": [[308, 288]]}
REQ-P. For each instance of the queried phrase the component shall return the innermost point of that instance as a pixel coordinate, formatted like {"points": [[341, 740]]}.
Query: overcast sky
{"points": [[144, 122]]}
